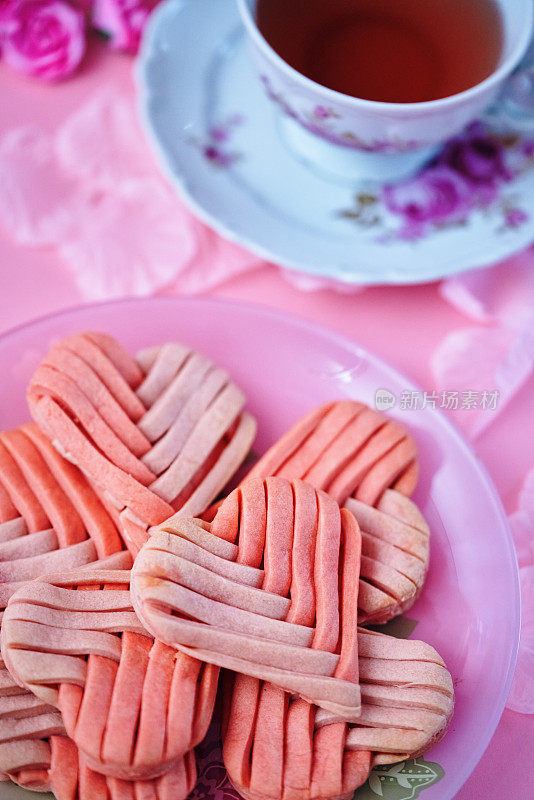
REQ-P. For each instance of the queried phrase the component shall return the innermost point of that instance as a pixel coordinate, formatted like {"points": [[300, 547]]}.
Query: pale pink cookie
{"points": [[236, 605], [157, 434], [132, 705], [50, 517], [346, 449], [277, 747]]}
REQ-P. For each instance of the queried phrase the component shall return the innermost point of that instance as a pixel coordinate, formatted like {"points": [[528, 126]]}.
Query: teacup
{"points": [[353, 138]]}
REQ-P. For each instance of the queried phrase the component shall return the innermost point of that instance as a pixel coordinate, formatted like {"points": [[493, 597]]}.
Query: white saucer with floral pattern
{"points": [[221, 142]]}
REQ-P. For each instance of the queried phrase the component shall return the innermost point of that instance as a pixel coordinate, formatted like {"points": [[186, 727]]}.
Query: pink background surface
{"points": [[402, 325]]}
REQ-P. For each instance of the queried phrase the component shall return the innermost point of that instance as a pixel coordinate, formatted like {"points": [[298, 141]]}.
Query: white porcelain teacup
{"points": [[355, 138]]}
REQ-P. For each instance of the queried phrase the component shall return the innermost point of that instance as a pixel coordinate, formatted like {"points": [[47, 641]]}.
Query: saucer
{"points": [[225, 147]]}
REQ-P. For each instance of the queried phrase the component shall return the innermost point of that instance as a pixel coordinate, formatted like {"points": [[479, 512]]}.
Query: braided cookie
{"points": [[50, 517], [346, 449], [158, 434], [54, 764], [235, 605], [279, 748], [132, 705]]}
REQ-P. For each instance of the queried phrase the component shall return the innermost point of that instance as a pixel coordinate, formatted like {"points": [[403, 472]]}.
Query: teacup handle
{"points": [[515, 105]]}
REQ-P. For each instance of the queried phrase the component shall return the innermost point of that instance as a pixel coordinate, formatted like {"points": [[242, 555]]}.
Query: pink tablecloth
{"points": [[403, 325]]}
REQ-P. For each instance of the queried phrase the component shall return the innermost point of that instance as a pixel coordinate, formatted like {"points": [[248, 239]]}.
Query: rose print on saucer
{"points": [[215, 146], [470, 174]]}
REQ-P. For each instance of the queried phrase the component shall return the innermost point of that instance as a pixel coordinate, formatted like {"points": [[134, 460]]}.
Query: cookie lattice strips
{"points": [[26, 723], [50, 517], [346, 449], [55, 764], [132, 705], [297, 556], [395, 552], [157, 434], [280, 748]]}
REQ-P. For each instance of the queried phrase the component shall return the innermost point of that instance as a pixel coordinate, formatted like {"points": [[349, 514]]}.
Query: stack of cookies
{"points": [[134, 586]]}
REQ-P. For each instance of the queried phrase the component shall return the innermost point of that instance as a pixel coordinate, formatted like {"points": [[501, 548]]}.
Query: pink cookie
{"points": [[132, 705], [157, 434], [235, 605]]}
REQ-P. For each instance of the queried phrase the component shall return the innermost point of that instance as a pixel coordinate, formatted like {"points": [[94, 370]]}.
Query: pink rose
{"points": [[438, 194], [42, 38], [123, 21]]}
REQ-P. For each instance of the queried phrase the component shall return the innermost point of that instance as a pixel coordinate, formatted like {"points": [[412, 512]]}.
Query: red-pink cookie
{"points": [[160, 433], [132, 705]]}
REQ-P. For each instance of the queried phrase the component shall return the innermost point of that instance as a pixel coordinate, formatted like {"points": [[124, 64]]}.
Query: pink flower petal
{"points": [[522, 523], [38, 202], [216, 261], [503, 292], [521, 697], [483, 359], [132, 241], [103, 142], [94, 192]]}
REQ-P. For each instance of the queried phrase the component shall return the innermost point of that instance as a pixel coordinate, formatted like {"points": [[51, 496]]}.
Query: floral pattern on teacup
{"points": [[321, 121], [471, 174]]}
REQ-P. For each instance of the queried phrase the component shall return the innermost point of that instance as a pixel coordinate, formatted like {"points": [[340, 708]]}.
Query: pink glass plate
{"points": [[469, 608]]}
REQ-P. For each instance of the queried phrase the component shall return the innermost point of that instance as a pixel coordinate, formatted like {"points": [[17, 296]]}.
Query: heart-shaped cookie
{"points": [[234, 605], [132, 705], [279, 748], [346, 449], [50, 517], [159, 433]]}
